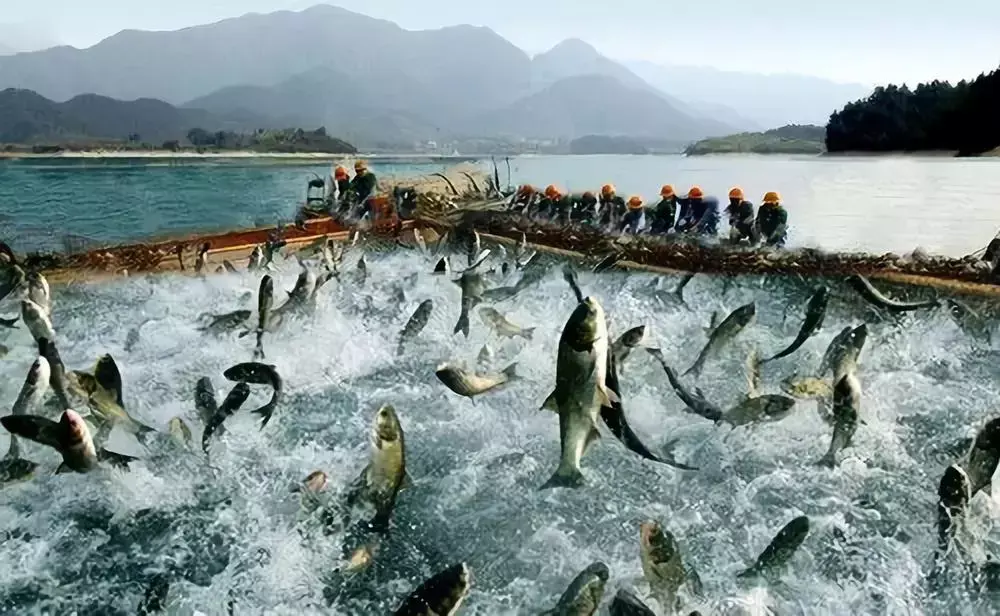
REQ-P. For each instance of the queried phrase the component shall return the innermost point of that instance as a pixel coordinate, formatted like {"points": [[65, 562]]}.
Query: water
{"points": [[946, 206], [229, 526]]}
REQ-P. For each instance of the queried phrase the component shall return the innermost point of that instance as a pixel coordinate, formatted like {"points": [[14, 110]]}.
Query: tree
{"points": [[200, 137]]}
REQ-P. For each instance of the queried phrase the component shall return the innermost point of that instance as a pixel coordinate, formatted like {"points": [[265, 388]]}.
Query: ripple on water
{"points": [[229, 527]]}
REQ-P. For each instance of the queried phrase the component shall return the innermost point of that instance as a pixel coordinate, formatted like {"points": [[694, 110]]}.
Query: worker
{"points": [[584, 207], [523, 197], [741, 217], [663, 215], [611, 207], [341, 182], [633, 215], [699, 213], [363, 187], [552, 203], [772, 220]]}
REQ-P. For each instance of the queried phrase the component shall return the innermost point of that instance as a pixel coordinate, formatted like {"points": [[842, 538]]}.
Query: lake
{"points": [[876, 204]]}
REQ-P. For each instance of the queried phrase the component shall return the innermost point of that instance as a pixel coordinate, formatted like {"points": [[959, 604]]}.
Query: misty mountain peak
{"points": [[571, 49]]}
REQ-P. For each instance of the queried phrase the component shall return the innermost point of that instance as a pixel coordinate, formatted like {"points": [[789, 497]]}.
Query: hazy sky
{"points": [[867, 41]]}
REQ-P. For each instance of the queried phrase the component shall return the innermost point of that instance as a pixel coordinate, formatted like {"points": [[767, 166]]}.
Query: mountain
{"points": [[17, 38], [767, 100], [28, 117], [459, 68], [574, 107], [792, 139]]}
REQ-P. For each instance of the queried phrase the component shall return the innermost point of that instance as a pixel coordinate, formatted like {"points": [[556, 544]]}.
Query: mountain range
{"points": [[370, 81]]}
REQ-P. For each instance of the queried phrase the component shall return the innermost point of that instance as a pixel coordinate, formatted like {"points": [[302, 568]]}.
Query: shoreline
{"points": [[154, 155]]}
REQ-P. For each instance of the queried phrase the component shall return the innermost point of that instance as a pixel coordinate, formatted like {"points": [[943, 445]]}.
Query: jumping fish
{"points": [[777, 553], [695, 401], [385, 475], [730, 327], [815, 312], [265, 301], [416, 324], [259, 374], [584, 594], [981, 460], [234, 400], [502, 326], [846, 404], [874, 297], [441, 595], [69, 436], [471, 384]]}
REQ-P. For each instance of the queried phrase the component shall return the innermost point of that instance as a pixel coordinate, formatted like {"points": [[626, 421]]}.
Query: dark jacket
{"points": [[772, 222], [663, 215], [741, 217], [699, 215], [364, 186], [612, 208], [584, 207]]}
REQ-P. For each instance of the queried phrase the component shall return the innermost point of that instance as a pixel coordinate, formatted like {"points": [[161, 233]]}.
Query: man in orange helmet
{"points": [[553, 203], [633, 215], [583, 207], [611, 206], [699, 213], [362, 187], [341, 181], [523, 197], [741, 217], [772, 220], [664, 214]]}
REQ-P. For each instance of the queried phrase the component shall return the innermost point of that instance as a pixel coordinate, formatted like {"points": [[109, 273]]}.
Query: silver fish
{"points": [[874, 297], [416, 324], [38, 291], [472, 384], [846, 405], [259, 374], [37, 320], [623, 346], [265, 302], [234, 400], [981, 460], [57, 371], [441, 595], [815, 312], [730, 327], [179, 431], [226, 322], [584, 594], [205, 402], [385, 475], [502, 326], [661, 563], [695, 401], [626, 603], [70, 436], [769, 407], [472, 293], [35, 387], [581, 390], [256, 260]]}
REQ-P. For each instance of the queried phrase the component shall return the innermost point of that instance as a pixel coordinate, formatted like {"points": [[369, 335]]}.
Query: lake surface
{"points": [[876, 204], [227, 526]]}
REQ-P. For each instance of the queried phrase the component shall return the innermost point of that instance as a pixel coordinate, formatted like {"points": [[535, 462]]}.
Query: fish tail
{"points": [[695, 369], [828, 460], [266, 412], [462, 325], [748, 573], [116, 459], [564, 477], [528, 333], [9, 323], [511, 371]]}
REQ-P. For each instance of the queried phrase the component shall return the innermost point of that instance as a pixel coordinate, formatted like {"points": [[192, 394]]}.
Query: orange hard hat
{"points": [[340, 172], [772, 197], [736, 193], [634, 202], [695, 193], [608, 189], [552, 192], [525, 189], [360, 166], [667, 191]]}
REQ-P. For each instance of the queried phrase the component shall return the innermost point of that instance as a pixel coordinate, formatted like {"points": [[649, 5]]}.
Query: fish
{"points": [[502, 326], [608, 262], [527, 260], [265, 301], [420, 240], [57, 371], [108, 376], [36, 384], [815, 313], [385, 475], [131, 339], [626, 603], [872, 295], [9, 323], [769, 407], [201, 260], [752, 367], [442, 266], [13, 467], [229, 267], [530, 275], [473, 247], [256, 260], [441, 595], [37, 320], [234, 400], [69, 436], [15, 279], [226, 322], [842, 354], [361, 271], [954, 493], [616, 421], [416, 324], [730, 327], [981, 461], [311, 489], [846, 404], [259, 374], [155, 599], [305, 285], [499, 294], [677, 295], [581, 388], [661, 564], [777, 553], [472, 293], [179, 431], [584, 594], [569, 275], [472, 384], [106, 408], [204, 400], [970, 321], [807, 388], [485, 356], [521, 248], [39, 292], [622, 347], [695, 401]]}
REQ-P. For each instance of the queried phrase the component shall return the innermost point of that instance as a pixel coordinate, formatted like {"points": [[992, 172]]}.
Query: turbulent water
{"points": [[228, 528]]}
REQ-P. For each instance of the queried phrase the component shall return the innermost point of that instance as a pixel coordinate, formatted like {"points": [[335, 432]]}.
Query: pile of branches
{"points": [[689, 255]]}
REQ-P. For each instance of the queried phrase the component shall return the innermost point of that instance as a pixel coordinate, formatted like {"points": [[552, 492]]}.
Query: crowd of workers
{"points": [[695, 213]]}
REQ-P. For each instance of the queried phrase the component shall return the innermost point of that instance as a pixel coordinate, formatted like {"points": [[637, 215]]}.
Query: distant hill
{"points": [[791, 139], [571, 107], [602, 144], [766, 100], [27, 117]]}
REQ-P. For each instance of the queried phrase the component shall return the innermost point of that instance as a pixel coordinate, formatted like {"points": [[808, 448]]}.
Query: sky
{"points": [[862, 41]]}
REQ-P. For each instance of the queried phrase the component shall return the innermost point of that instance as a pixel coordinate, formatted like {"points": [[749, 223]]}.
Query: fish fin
{"points": [[550, 404], [118, 460], [265, 412], [592, 437], [62, 468], [750, 573], [34, 428], [607, 397], [9, 323], [828, 460], [528, 333], [511, 371], [462, 326], [564, 478], [406, 482]]}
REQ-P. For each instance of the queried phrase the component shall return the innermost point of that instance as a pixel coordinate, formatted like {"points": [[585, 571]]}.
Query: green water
{"points": [[884, 204]]}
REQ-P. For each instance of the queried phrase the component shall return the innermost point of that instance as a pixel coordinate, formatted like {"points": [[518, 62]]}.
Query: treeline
{"points": [[290, 140], [964, 117]]}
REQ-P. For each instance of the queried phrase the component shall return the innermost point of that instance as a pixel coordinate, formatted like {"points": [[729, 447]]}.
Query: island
{"points": [[933, 117], [604, 144], [791, 139]]}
